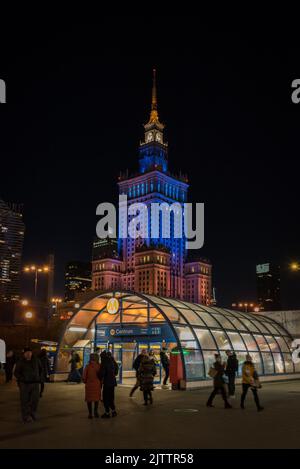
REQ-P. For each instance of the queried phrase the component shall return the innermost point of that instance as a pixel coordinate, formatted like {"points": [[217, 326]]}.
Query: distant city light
{"points": [[28, 315]]}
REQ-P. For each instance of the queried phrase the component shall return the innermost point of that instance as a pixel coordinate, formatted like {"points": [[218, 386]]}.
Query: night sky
{"points": [[78, 95]]}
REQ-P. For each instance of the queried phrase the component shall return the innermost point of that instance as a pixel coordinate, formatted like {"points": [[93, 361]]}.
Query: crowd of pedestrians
{"points": [[100, 379]]}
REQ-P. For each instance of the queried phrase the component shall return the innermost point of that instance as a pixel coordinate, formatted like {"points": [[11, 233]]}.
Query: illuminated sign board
{"points": [[113, 306]]}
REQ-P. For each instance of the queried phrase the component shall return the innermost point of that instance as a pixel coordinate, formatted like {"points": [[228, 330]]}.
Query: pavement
{"points": [[176, 420]]}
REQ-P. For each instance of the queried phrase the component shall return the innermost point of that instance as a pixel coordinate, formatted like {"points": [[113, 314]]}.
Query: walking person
{"points": [[28, 374], [147, 371], [45, 364], [136, 366], [217, 372], [165, 362], [91, 379], [9, 365], [108, 372], [232, 367], [250, 380]]}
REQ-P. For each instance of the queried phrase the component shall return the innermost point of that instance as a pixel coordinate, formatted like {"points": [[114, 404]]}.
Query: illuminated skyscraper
{"points": [[156, 264], [11, 246]]}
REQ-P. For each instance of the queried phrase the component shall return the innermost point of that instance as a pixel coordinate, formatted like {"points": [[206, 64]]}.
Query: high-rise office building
{"points": [[268, 286], [77, 279], [11, 245], [156, 264]]}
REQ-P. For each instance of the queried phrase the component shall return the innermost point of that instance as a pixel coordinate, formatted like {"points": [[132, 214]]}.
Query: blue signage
{"points": [[123, 331]]}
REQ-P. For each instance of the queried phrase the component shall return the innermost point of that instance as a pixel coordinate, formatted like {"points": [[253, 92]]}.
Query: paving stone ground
{"points": [[176, 420]]}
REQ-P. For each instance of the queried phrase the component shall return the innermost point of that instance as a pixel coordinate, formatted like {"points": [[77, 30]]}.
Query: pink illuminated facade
{"points": [[158, 266]]}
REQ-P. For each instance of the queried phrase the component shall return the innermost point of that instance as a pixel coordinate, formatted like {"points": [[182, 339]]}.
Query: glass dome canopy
{"points": [[198, 332]]}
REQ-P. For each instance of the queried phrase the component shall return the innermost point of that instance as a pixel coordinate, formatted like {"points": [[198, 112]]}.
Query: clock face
{"points": [[158, 137], [150, 137]]}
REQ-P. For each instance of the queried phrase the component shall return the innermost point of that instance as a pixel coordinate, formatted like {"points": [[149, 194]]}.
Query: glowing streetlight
{"points": [[24, 302], [295, 266], [36, 270], [28, 315]]}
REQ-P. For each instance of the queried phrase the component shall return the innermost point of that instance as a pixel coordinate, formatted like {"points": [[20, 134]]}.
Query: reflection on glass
{"points": [[272, 344], [236, 341], [205, 339], [289, 366], [209, 360], [184, 333], [279, 367], [262, 344], [208, 319], [222, 340], [250, 342], [268, 363], [224, 321], [194, 365]]}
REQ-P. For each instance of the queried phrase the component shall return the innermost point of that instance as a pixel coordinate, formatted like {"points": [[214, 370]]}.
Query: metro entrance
{"points": [[125, 353]]}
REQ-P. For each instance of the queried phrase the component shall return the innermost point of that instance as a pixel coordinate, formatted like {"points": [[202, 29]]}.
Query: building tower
{"points": [[11, 246], [155, 264], [155, 184]]}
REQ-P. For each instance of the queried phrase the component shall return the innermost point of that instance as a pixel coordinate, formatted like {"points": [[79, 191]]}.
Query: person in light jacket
{"points": [[250, 380]]}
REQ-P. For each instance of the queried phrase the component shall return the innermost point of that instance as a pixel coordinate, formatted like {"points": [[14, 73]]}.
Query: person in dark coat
{"points": [[75, 362], [45, 364], [136, 366], [9, 365], [108, 372], [28, 374], [232, 367], [219, 383], [147, 371], [165, 363]]}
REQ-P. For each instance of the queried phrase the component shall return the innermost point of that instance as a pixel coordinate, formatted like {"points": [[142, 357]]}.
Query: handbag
{"points": [[212, 372]]}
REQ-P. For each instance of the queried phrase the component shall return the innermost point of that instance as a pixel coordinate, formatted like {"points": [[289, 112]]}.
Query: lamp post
{"points": [[28, 317], [55, 302], [36, 270]]}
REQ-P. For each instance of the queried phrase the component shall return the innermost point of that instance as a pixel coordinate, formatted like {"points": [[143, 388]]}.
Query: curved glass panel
{"points": [[249, 325], [209, 320], [270, 327], [172, 314], [268, 363], [238, 324], [250, 342], [192, 317], [282, 344], [272, 344], [205, 339], [236, 341], [184, 333], [288, 363], [224, 321], [222, 340], [279, 366], [194, 366], [262, 343], [260, 326]]}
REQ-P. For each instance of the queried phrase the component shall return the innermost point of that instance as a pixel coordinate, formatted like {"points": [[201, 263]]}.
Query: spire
{"points": [[154, 113]]}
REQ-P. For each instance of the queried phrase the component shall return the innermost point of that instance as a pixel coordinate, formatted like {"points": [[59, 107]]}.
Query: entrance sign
{"points": [[113, 306]]}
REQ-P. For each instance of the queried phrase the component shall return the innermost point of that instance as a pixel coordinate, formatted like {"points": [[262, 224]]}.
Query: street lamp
{"points": [[28, 316], [36, 270], [55, 302], [295, 266]]}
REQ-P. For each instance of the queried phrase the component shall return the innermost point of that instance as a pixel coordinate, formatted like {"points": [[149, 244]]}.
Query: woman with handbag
{"points": [[217, 372], [250, 380]]}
